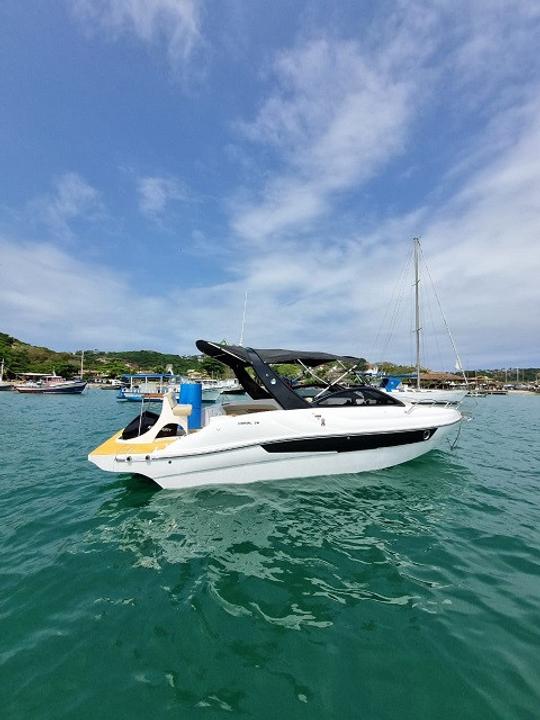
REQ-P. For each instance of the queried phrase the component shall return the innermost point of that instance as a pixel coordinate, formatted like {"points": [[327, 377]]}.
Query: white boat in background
{"points": [[4, 385], [418, 394], [148, 387], [429, 396], [278, 434], [212, 389]]}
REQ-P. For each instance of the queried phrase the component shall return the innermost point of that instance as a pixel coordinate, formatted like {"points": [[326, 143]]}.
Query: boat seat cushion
{"points": [[182, 410], [177, 409]]}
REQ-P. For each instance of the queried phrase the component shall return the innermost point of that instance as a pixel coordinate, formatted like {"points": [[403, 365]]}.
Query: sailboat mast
{"points": [[82, 363], [416, 242], [243, 319]]}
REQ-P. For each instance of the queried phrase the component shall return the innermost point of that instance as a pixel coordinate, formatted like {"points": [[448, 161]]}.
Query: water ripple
{"points": [[319, 598]]}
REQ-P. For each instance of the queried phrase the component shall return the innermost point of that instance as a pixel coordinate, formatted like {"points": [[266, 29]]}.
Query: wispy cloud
{"points": [[339, 113], [72, 199], [340, 110], [334, 114], [155, 193], [175, 23]]}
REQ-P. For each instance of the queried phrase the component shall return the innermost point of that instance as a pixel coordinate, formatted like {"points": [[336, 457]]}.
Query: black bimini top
{"points": [[233, 355], [239, 358]]}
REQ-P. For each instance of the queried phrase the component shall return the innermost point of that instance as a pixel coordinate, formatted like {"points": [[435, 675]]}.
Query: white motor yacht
{"points": [[277, 434]]}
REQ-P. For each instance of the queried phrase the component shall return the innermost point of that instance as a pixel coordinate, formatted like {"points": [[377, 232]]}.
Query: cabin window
{"points": [[353, 397]]}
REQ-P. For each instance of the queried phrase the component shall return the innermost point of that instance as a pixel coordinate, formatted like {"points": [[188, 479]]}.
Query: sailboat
{"points": [[417, 394]]}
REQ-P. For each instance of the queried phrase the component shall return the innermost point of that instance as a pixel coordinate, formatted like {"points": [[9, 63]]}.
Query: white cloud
{"points": [[336, 114], [72, 199], [339, 113], [173, 22], [326, 292], [156, 192], [64, 302]]}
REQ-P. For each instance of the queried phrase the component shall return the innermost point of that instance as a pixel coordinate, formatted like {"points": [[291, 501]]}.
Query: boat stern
{"points": [[117, 455]]}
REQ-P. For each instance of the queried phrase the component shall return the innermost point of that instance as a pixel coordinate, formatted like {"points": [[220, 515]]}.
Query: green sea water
{"points": [[411, 593]]}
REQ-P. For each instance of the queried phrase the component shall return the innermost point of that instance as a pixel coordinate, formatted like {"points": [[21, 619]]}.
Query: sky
{"points": [[162, 158]]}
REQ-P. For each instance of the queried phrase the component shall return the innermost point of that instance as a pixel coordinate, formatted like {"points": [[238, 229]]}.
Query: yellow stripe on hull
{"points": [[115, 446]]}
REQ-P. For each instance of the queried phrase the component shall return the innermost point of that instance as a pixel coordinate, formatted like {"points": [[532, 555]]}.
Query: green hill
{"points": [[21, 357]]}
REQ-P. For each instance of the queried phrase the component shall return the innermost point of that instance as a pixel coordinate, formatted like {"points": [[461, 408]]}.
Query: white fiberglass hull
{"points": [[283, 444], [442, 397]]}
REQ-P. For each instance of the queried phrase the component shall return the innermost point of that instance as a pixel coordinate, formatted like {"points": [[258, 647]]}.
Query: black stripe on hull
{"points": [[349, 443]]}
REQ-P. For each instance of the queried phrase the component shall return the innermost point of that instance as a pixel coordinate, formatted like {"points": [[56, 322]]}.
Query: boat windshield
{"points": [[359, 395]]}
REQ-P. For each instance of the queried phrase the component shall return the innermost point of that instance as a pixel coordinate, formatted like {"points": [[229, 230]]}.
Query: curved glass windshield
{"points": [[368, 396]]}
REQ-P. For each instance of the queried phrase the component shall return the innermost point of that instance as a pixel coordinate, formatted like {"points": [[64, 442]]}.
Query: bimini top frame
{"points": [[239, 358]]}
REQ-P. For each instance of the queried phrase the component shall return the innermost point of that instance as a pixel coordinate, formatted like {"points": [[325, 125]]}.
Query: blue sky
{"points": [[162, 157]]}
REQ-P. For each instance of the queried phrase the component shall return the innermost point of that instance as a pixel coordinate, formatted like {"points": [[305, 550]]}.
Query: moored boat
{"points": [[148, 387], [39, 383], [418, 394], [277, 434]]}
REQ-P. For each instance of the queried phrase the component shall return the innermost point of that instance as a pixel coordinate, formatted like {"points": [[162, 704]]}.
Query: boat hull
{"points": [[254, 465], [29, 389], [274, 454], [430, 397], [134, 396], [67, 389], [59, 389]]}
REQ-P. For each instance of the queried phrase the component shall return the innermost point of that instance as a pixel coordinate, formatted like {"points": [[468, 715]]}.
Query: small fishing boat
{"points": [[277, 434], [59, 386], [39, 383]]}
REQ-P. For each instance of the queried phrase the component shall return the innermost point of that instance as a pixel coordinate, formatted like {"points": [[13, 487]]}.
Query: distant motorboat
{"points": [[65, 387], [151, 387], [147, 387], [110, 384], [39, 383]]}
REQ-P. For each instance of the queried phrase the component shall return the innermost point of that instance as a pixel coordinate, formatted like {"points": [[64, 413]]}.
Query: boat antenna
{"points": [[416, 245], [241, 341]]}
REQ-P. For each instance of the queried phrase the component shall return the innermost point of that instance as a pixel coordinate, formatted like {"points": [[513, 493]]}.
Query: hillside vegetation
{"points": [[20, 357]]}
